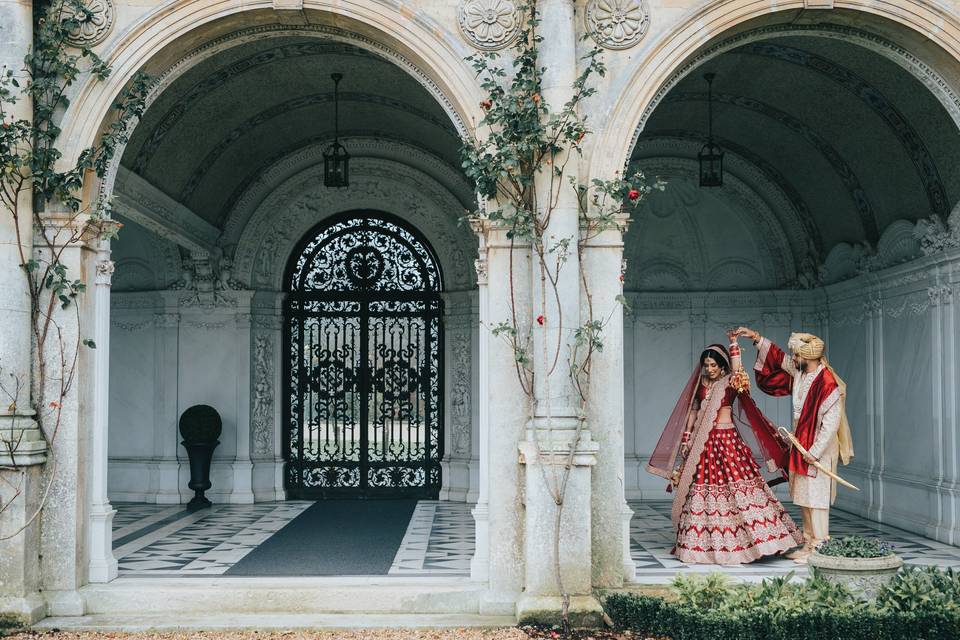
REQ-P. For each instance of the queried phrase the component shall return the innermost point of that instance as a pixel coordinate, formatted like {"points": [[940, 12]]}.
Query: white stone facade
{"points": [[835, 217]]}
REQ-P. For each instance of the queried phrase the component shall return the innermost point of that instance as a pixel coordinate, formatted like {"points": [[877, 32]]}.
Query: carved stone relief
{"points": [[95, 22], [617, 24], [489, 24], [460, 401], [262, 418]]}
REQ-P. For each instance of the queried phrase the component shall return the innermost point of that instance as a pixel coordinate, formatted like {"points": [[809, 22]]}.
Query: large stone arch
{"points": [[719, 26], [158, 44]]}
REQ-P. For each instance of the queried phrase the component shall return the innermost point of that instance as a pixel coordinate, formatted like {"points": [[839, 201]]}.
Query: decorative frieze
{"points": [[489, 24], [617, 24]]}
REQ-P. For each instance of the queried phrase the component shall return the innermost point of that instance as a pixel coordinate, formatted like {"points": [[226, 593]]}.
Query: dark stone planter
{"points": [[200, 454], [200, 426]]}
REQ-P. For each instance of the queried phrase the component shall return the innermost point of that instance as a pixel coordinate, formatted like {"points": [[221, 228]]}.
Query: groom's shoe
{"points": [[800, 555]]}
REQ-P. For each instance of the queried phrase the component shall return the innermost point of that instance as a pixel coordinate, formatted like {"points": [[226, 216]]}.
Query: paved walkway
{"points": [[156, 540]]}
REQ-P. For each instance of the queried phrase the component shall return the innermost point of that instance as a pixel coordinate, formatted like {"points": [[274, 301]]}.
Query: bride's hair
{"points": [[719, 355]]}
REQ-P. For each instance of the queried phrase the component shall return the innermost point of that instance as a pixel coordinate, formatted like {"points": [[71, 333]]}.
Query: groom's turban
{"points": [[806, 345]]}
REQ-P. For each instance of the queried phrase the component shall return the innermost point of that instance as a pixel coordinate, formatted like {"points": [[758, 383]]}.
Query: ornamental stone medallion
{"points": [[617, 24], [96, 21], [489, 24]]}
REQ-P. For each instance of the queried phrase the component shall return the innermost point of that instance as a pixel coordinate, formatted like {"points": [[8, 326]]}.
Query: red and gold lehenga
{"points": [[724, 511]]}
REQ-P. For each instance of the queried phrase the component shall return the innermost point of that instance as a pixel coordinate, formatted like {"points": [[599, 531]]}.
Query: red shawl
{"points": [[773, 380]]}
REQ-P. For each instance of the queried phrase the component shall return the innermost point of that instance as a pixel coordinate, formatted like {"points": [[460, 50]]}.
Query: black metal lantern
{"points": [[711, 155], [336, 160]]}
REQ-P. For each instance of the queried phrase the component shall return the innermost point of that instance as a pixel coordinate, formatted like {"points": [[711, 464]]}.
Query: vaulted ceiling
{"points": [[223, 123], [852, 140]]}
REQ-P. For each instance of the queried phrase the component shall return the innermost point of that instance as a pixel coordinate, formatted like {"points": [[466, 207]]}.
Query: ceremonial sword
{"points": [[815, 463]]}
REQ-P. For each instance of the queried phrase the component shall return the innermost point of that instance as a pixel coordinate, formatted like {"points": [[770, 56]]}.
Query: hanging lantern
{"points": [[711, 155], [336, 160]]}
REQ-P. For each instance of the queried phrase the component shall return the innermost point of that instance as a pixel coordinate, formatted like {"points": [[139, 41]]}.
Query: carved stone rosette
{"points": [[489, 24], [96, 21], [617, 24]]}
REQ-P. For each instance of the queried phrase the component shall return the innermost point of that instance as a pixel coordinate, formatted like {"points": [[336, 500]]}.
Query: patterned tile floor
{"points": [[157, 540], [652, 537]]}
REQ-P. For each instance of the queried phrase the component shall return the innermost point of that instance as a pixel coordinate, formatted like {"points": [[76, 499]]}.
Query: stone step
{"points": [[283, 596], [264, 621]]}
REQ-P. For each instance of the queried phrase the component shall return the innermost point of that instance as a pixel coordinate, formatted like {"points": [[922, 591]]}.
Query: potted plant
{"points": [[862, 564]]}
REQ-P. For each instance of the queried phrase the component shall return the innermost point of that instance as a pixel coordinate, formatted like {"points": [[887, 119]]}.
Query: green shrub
{"points": [[919, 605], [855, 547], [917, 590]]}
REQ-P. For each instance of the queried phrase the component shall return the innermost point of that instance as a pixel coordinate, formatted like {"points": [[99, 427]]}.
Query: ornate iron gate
{"points": [[363, 343]]}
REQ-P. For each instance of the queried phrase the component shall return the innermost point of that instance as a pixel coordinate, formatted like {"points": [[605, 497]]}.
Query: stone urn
{"points": [[863, 576], [200, 427]]}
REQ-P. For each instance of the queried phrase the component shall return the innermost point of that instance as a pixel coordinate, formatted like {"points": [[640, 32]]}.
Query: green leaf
{"points": [[87, 342]]}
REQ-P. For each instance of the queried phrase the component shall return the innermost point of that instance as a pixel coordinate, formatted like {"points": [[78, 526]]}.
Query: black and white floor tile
{"points": [[173, 541], [652, 538], [158, 540], [439, 540]]}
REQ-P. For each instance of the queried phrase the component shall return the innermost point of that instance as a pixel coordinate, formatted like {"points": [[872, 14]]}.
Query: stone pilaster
{"points": [[102, 564], [63, 543], [602, 262], [21, 488], [504, 414]]}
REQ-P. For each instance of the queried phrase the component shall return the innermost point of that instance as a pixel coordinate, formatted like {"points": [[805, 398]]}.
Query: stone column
{"points": [[21, 487], [603, 267], [102, 564], [554, 428], [479, 564], [504, 414]]}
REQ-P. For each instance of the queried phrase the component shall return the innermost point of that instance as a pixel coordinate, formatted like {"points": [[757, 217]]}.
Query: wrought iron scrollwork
{"points": [[364, 359]]}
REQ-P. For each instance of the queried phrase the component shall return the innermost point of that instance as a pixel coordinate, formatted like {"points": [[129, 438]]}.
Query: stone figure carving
{"points": [[617, 24], [935, 235], [460, 397], [262, 395], [489, 24], [95, 21], [202, 285]]}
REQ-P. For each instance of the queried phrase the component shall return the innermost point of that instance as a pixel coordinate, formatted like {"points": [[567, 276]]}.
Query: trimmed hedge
{"points": [[648, 616]]}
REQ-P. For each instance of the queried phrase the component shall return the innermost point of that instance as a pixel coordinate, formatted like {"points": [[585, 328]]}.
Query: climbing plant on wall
{"points": [[525, 144], [57, 218]]}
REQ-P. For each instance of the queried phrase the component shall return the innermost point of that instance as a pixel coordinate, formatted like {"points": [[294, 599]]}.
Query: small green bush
{"points": [[917, 605], [855, 547]]}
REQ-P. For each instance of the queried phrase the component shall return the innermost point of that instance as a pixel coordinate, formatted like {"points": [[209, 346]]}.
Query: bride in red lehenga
{"points": [[724, 512]]}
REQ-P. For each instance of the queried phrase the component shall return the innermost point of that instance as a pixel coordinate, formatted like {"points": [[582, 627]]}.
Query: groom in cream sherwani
{"points": [[819, 424]]}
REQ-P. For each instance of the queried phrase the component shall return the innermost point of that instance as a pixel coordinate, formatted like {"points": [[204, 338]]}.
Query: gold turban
{"points": [[810, 347], [806, 345]]}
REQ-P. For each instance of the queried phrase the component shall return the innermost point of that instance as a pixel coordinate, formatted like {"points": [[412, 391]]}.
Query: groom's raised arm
{"points": [[773, 369]]}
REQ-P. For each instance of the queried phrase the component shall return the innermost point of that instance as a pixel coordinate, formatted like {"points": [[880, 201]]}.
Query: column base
{"points": [[103, 566], [64, 602], [25, 609], [242, 490], [480, 562], [585, 611]]}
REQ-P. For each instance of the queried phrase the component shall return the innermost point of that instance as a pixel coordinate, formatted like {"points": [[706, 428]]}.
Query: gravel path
{"points": [[506, 633]]}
